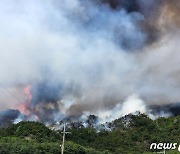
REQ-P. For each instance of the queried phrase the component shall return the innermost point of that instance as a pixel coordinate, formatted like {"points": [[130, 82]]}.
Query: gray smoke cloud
{"points": [[89, 56], [7, 117]]}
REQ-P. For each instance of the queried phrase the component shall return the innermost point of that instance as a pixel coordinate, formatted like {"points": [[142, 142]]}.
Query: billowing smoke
{"points": [[103, 57], [8, 117]]}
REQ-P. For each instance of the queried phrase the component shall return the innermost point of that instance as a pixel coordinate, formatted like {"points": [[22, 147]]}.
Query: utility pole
{"points": [[164, 152], [64, 133]]}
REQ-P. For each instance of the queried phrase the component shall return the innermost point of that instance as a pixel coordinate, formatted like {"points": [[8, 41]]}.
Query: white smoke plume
{"points": [[89, 54], [131, 105]]}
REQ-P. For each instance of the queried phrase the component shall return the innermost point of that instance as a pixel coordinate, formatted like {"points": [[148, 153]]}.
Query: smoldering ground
{"points": [[89, 56]]}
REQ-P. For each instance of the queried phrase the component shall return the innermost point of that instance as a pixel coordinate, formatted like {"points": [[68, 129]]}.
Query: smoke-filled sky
{"points": [[89, 55]]}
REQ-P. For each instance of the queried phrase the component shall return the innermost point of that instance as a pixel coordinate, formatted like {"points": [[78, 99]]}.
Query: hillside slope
{"points": [[129, 134]]}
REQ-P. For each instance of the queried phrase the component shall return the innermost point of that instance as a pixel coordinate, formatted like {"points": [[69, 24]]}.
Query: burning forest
{"points": [[73, 59]]}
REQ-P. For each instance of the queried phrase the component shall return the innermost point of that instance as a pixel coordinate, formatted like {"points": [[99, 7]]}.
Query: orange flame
{"points": [[27, 91], [23, 108]]}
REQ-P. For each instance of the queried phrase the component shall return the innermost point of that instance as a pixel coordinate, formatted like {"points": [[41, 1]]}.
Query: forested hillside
{"points": [[131, 134]]}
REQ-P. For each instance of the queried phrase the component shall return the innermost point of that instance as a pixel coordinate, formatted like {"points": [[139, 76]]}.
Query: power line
{"points": [[7, 90]]}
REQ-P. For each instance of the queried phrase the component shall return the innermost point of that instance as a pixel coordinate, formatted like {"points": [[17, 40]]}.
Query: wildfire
{"points": [[23, 108], [27, 91]]}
